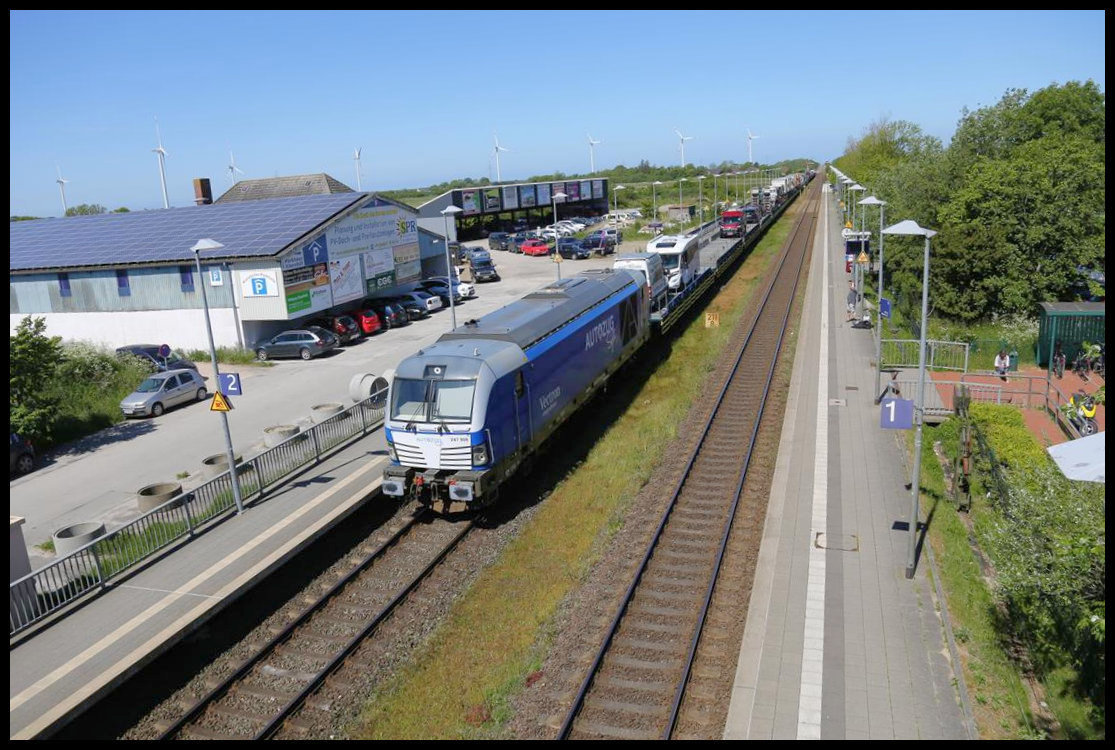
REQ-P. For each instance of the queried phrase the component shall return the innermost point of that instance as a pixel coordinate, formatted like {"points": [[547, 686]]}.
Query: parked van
{"points": [[649, 265], [681, 259]]}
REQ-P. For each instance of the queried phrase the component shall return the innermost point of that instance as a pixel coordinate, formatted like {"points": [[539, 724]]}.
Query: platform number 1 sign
{"points": [[897, 414]]}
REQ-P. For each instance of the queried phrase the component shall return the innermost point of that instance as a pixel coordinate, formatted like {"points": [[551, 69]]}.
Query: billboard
{"points": [[490, 200], [527, 198], [470, 202], [559, 187], [573, 190], [307, 289], [544, 194], [408, 264], [586, 190], [361, 247], [598, 188], [510, 198], [346, 278]]}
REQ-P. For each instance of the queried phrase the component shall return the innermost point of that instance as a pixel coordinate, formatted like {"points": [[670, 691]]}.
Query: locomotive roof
{"points": [[526, 321]]}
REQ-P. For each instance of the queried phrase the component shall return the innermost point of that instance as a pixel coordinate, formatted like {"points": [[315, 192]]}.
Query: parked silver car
{"points": [[163, 390]]}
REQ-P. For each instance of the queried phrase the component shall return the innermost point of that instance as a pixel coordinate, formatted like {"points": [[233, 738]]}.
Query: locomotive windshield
{"points": [[435, 401], [670, 261]]}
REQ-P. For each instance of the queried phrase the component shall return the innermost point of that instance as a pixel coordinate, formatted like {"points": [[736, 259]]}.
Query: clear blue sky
{"points": [[422, 92]]}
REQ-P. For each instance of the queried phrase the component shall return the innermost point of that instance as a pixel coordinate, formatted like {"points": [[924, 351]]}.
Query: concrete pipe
{"points": [[322, 412], [75, 536], [279, 433], [217, 464], [153, 495]]}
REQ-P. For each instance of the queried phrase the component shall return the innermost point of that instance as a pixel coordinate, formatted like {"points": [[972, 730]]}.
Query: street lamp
{"points": [[654, 192], [715, 192], [207, 244], [557, 258], [701, 196], [615, 208], [910, 228], [857, 188], [446, 212], [871, 200], [681, 201]]}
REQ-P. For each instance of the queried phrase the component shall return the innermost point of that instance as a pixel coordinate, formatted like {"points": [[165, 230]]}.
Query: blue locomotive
{"points": [[466, 412]]}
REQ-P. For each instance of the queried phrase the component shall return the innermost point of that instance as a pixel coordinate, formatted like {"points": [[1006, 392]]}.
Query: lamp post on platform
{"points": [[910, 228]]}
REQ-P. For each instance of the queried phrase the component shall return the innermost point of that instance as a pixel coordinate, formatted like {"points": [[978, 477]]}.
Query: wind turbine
{"points": [[681, 144], [356, 158], [592, 154], [750, 138], [62, 188], [162, 162], [233, 170], [498, 148]]}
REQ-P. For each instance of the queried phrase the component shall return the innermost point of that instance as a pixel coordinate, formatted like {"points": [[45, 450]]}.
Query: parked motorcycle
{"points": [[1081, 413]]}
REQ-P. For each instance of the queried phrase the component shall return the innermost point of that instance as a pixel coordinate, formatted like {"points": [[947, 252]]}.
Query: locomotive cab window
{"points": [[436, 401]]}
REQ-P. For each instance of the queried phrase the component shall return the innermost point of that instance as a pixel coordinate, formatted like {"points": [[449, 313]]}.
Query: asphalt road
{"points": [[96, 478]]}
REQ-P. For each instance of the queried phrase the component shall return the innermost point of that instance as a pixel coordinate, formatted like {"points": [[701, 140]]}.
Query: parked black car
{"points": [[598, 242], [572, 249], [390, 314], [414, 310], [344, 327], [499, 241], [307, 343], [484, 270], [150, 353], [22, 455]]}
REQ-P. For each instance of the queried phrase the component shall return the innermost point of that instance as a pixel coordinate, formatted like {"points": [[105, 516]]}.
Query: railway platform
{"points": [[838, 643], [60, 671]]}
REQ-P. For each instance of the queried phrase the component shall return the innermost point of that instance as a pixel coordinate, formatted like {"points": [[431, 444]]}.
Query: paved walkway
{"points": [[55, 674], [838, 644]]}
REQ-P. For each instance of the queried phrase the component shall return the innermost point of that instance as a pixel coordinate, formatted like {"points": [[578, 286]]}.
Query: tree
{"points": [[33, 359], [86, 209], [122, 210]]}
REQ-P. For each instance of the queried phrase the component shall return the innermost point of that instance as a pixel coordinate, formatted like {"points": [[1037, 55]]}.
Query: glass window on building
{"points": [[122, 286]]}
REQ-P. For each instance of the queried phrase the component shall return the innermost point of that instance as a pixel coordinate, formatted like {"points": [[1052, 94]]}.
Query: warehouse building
{"points": [[117, 279]]}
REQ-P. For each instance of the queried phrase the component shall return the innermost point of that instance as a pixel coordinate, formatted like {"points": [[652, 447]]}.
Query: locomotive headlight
{"points": [[479, 454], [391, 453]]}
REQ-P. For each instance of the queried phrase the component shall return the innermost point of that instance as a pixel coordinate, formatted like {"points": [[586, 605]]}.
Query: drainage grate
{"points": [[851, 387], [839, 543]]}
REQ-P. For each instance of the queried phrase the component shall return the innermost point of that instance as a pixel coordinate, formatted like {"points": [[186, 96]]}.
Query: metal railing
{"points": [[939, 355], [48, 590]]}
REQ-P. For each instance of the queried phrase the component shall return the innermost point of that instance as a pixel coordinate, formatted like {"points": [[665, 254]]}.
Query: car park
{"points": [[367, 320], [484, 270], [21, 453], [536, 246], [499, 241], [572, 249], [152, 354], [307, 343], [163, 390], [344, 327]]}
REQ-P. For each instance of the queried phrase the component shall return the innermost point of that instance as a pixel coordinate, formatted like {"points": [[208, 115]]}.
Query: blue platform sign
{"points": [[897, 414], [230, 384], [884, 308]]}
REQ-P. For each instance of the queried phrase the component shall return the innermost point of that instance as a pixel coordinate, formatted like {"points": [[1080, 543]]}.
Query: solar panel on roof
{"points": [[246, 229]]}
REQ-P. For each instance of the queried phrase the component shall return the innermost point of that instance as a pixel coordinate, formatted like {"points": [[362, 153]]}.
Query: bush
{"points": [[1047, 545], [32, 362]]}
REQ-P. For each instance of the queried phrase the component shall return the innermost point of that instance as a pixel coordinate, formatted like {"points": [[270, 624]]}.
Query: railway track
{"points": [[273, 683], [636, 684]]}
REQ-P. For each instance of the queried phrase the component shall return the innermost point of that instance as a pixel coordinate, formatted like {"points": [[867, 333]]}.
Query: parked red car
{"points": [[367, 320], [535, 247]]}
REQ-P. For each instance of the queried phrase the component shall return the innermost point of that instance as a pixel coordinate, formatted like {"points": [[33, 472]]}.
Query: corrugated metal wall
{"points": [[97, 291]]}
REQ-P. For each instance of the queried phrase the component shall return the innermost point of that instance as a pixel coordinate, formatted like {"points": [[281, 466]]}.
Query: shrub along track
{"points": [[637, 681]]}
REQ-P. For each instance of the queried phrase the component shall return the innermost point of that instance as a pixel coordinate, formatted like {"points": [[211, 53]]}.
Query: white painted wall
{"points": [[182, 329]]}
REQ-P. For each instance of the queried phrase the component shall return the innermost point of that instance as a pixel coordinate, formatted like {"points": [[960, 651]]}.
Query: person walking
{"points": [[852, 298]]}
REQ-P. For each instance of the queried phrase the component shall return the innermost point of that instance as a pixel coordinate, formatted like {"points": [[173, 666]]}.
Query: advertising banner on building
{"points": [[408, 264], [573, 191], [510, 198], [307, 289], [544, 194], [362, 248], [586, 190], [381, 282], [559, 187], [527, 198], [470, 202], [346, 278], [598, 188], [490, 200]]}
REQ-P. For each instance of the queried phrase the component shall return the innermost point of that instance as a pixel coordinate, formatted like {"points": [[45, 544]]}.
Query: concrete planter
{"points": [[73, 537], [279, 433], [217, 464], [364, 384], [322, 412], [153, 495]]}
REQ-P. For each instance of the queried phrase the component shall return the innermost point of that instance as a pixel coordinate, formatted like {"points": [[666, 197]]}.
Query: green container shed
{"points": [[1071, 323]]}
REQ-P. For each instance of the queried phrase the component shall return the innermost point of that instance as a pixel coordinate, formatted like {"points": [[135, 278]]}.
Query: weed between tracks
{"points": [[494, 638]]}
